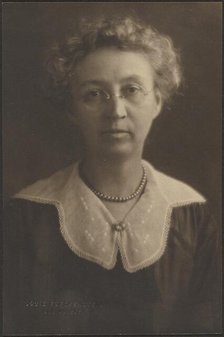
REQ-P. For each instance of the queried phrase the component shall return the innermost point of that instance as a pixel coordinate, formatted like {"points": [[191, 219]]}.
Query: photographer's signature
{"points": [[60, 307]]}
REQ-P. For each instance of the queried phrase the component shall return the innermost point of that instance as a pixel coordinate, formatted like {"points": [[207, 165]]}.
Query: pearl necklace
{"points": [[106, 197]]}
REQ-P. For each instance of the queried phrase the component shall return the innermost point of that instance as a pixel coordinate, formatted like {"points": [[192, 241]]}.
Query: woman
{"points": [[110, 245]]}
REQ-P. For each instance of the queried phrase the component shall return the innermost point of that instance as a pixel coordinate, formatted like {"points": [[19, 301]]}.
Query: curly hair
{"points": [[124, 34]]}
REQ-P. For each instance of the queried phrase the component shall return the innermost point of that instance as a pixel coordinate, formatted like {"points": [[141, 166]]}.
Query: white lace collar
{"points": [[89, 228]]}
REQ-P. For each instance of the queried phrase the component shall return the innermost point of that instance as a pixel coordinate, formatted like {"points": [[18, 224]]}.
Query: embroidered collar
{"points": [[89, 228]]}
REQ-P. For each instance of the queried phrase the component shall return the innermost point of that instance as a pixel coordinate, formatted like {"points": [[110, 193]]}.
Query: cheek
{"points": [[144, 119], [143, 123], [84, 124], [146, 126], [88, 125], [81, 117]]}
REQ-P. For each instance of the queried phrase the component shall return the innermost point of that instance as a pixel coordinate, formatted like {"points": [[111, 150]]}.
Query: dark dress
{"points": [[50, 290]]}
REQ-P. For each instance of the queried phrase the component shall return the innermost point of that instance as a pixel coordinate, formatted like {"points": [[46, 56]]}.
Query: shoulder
{"points": [[41, 202], [190, 212], [47, 190], [174, 190], [21, 212]]}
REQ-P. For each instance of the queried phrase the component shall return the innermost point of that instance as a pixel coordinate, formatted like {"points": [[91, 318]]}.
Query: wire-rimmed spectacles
{"points": [[132, 94]]}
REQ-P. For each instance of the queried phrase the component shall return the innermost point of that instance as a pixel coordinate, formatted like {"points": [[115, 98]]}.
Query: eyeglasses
{"points": [[132, 94]]}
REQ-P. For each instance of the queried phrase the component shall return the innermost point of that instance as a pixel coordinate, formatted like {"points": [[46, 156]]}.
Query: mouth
{"points": [[115, 131], [116, 134]]}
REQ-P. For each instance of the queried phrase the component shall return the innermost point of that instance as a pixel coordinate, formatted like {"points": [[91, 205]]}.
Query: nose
{"points": [[116, 107]]}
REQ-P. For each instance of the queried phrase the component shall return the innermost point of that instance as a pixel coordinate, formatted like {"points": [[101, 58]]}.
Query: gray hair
{"points": [[125, 34]]}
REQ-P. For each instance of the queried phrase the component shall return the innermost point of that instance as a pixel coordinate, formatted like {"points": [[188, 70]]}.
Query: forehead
{"points": [[111, 65]]}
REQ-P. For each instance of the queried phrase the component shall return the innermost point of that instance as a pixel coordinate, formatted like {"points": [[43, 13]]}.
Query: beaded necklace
{"points": [[111, 198]]}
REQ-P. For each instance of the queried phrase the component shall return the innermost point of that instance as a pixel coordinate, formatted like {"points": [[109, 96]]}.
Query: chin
{"points": [[117, 152]]}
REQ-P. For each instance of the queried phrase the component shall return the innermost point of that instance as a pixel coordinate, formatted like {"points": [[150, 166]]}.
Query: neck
{"points": [[119, 178]]}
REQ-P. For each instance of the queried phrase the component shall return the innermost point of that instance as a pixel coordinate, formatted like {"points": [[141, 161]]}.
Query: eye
{"points": [[93, 95], [132, 90]]}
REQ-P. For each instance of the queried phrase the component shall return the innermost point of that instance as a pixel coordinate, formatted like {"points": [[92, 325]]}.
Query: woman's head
{"points": [[114, 101], [124, 34], [114, 77]]}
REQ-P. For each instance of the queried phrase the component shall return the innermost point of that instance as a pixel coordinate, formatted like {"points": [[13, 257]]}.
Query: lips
{"points": [[116, 135], [115, 131]]}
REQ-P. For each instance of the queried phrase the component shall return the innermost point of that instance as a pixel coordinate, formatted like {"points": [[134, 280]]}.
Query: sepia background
{"points": [[185, 141]]}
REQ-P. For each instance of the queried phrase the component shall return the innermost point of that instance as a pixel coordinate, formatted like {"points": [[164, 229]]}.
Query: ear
{"points": [[158, 102]]}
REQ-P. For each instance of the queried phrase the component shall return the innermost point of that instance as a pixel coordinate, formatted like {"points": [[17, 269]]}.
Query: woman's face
{"points": [[114, 101]]}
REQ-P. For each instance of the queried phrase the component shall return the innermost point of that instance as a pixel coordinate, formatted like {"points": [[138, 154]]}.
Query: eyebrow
{"points": [[96, 82], [104, 82]]}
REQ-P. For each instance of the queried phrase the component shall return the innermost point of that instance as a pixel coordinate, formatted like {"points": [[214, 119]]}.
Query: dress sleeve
{"points": [[188, 274], [205, 285]]}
